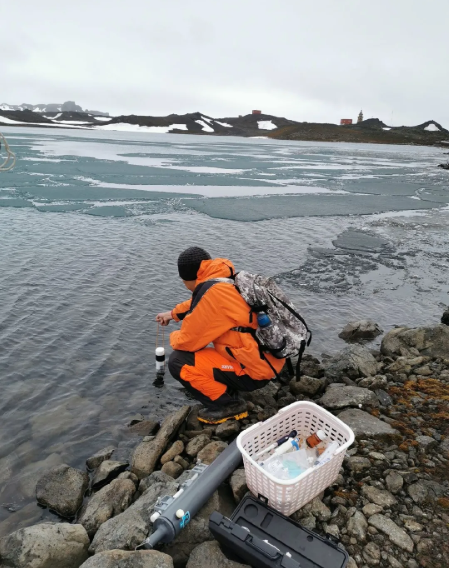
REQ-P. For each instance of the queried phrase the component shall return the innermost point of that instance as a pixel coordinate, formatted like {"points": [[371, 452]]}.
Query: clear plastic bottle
{"points": [[327, 454]]}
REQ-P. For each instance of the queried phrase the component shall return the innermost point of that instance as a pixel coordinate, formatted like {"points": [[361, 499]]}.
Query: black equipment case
{"points": [[264, 538]]}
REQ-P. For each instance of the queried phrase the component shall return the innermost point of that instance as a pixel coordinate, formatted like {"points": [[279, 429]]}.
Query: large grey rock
{"points": [[94, 461], [48, 545], [209, 555], [110, 501], [238, 484], [357, 526], [429, 341], [371, 553], [124, 559], [360, 330], [196, 444], [128, 529], [306, 385], [365, 425], [62, 489], [147, 454], [426, 490], [426, 442], [210, 452], [107, 470], [348, 396], [378, 496], [397, 535], [374, 383], [353, 362]]}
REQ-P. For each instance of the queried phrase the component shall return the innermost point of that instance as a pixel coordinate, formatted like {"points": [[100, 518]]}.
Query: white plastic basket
{"points": [[306, 418]]}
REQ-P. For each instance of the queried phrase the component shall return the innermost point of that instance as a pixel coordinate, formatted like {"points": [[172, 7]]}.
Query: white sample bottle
{"points": [[160, 361]]}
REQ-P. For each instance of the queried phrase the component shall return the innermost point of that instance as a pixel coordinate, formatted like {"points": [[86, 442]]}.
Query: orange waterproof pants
{"points": [[209, 377]]}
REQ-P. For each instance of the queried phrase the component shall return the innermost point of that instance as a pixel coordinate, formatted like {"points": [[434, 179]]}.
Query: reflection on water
{"points": [[78, 293]]}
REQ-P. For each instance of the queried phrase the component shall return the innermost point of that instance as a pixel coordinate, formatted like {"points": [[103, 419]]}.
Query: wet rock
{"points": [[353, 362], [360, 330], [47, 545], [371, 553], [94, 461], [135, 419], [62, 489], [107, 503], [429, 341], [147, 454], [172, 469], [308, 522], [426, 442], [378, 496], [128, 529], [238, 484], [107, 470], [357, 526], [125, 450], [263, 397], [124, 559], [384, 398], [445, 317], [228, 429], [397, 535], [209, 555], [210, 452], [358, 464], [176, 449], [144, 428], [306, 385], [348, 396], [311, 367], [394, 482], [365, 426]]}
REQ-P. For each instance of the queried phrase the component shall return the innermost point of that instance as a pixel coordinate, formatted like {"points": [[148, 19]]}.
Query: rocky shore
{"points": [[388, 507]]}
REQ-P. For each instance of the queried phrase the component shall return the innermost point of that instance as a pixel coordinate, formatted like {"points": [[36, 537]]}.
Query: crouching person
{"points": [[216, 313]]}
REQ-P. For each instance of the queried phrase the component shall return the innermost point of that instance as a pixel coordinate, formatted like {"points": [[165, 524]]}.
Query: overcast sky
{"points": [[306, 60]]}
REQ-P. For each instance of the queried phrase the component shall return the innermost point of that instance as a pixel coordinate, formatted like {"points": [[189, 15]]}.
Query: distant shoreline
{"points": [[371, 131]]}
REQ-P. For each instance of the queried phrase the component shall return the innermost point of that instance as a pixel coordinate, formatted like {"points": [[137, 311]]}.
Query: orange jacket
{"points": [[219, 309]]}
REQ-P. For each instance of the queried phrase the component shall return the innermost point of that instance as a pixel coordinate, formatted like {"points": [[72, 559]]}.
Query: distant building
{"points": [[257, 112], [360, 117], [346, 121]]}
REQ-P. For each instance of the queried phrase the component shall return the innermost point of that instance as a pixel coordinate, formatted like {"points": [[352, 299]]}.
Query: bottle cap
{"points": [[160, 351], [321, 435], [179, 513]]}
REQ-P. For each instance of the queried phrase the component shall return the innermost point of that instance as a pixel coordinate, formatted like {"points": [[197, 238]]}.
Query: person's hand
{"points": [[164, 318]]}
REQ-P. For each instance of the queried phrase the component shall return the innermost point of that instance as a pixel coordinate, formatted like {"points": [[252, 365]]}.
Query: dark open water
{"points": [[91, 225]]}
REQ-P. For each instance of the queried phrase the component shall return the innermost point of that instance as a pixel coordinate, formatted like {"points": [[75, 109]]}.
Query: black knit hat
{"points": [[189, 262]]}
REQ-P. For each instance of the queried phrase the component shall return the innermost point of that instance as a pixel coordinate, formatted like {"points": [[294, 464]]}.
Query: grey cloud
{"points": [[304, 60]]}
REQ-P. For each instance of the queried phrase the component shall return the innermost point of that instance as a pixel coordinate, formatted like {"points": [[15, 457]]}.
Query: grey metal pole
{"points": [[187, 502]]}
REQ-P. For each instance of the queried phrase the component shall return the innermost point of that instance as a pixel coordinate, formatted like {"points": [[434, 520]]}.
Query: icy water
{"points": [[91, 225]]}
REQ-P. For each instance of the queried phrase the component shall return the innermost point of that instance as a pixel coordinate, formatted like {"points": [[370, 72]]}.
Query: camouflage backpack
{"points": [[288, 333]]}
